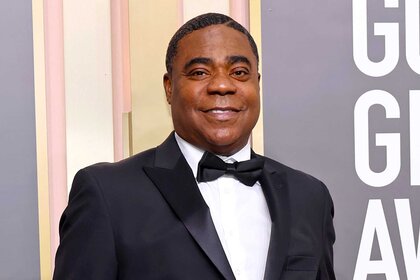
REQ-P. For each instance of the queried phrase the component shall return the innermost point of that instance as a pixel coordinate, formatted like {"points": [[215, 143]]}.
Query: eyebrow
{"points": [[197, 60], [238, 58], [230, 60]]}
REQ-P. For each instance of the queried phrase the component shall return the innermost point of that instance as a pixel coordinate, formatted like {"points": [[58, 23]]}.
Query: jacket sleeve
{"points": [[326, 271], [87, 247]]}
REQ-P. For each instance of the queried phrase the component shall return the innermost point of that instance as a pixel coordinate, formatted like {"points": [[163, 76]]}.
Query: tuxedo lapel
{"points": [[275, 190], [173, 177]]}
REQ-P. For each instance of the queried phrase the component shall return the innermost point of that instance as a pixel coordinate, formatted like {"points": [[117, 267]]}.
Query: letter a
{"points": [[405, 224], [375, 222]]}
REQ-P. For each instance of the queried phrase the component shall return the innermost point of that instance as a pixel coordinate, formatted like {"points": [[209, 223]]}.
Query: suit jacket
{"points": [[145, 218]]}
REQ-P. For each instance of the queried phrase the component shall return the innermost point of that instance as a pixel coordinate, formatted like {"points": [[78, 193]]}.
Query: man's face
{"points": [[213, 89]]}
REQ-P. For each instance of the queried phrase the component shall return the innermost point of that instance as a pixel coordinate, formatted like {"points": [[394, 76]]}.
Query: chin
{"points": [[227, 145], [223, 138]]}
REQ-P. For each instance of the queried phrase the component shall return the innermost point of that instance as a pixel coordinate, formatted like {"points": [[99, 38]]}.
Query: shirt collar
{"points": [[193, 154]]}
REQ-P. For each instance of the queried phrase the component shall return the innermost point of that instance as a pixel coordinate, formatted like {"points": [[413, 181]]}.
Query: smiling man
{"points": [[202, 205], [212, 85]]}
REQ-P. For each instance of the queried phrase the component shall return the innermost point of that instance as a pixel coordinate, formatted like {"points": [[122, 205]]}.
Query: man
{"points": [[180, 212]]}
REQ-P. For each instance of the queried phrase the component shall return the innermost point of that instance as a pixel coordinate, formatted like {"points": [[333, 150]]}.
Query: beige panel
{"points": [[152, 23], [127, 135], [88, 83], [192, 8], [255, 30], [41, 139]]}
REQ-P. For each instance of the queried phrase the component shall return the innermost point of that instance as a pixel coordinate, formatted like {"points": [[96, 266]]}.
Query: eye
{"points": [[198, 74], [240, 73]]}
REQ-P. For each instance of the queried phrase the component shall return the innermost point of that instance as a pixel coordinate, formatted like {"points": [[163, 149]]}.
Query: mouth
{"points": [[222, 110], [222, 113]]}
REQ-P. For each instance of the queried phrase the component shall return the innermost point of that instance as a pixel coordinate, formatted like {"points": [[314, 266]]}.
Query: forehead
{"points": [[215, 42]]}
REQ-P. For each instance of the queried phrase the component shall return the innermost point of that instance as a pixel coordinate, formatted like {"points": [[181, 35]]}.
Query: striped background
{"points": [[93, 92]]}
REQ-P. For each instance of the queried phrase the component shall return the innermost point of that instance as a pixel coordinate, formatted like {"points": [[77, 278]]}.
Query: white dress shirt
{"points": [[239, 213]]}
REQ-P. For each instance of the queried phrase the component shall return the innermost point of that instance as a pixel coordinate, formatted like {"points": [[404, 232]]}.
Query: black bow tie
{"points": [[212, 167]]}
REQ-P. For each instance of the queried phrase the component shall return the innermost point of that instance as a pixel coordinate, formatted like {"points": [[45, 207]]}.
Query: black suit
{"points": [[145, 218]]}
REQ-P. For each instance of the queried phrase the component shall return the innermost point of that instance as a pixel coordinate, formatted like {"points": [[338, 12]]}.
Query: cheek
{"points": [[184, 110], [253, 110], [252, 99], [187, 97], [256, 99]]}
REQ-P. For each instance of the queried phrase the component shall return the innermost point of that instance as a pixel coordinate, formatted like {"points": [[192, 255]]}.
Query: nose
{"points": [[222, 84]]}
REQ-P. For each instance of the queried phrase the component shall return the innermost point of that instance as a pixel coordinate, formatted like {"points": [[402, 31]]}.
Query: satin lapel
{"points": [[276, 193], [172, 175]]}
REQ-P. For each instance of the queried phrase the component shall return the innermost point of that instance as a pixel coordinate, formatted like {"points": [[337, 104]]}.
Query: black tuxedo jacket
{"points": [[145, 218]]}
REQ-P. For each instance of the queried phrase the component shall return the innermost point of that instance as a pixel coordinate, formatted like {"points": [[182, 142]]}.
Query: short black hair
{"points": [[200, 22]]}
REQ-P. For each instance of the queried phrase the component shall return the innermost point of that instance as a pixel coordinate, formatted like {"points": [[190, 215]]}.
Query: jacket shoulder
{"points": [[135, 162], [296, 179]]}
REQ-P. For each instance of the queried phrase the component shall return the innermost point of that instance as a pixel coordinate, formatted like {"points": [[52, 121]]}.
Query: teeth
{"points": [[219, 111]]}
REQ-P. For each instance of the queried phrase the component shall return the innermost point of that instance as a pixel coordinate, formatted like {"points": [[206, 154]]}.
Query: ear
{"points": [[167, 84], [259, 77]]}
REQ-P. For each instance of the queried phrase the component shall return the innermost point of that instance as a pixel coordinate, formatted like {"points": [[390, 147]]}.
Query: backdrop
{"points": [[19, 239], [341, 90]]}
